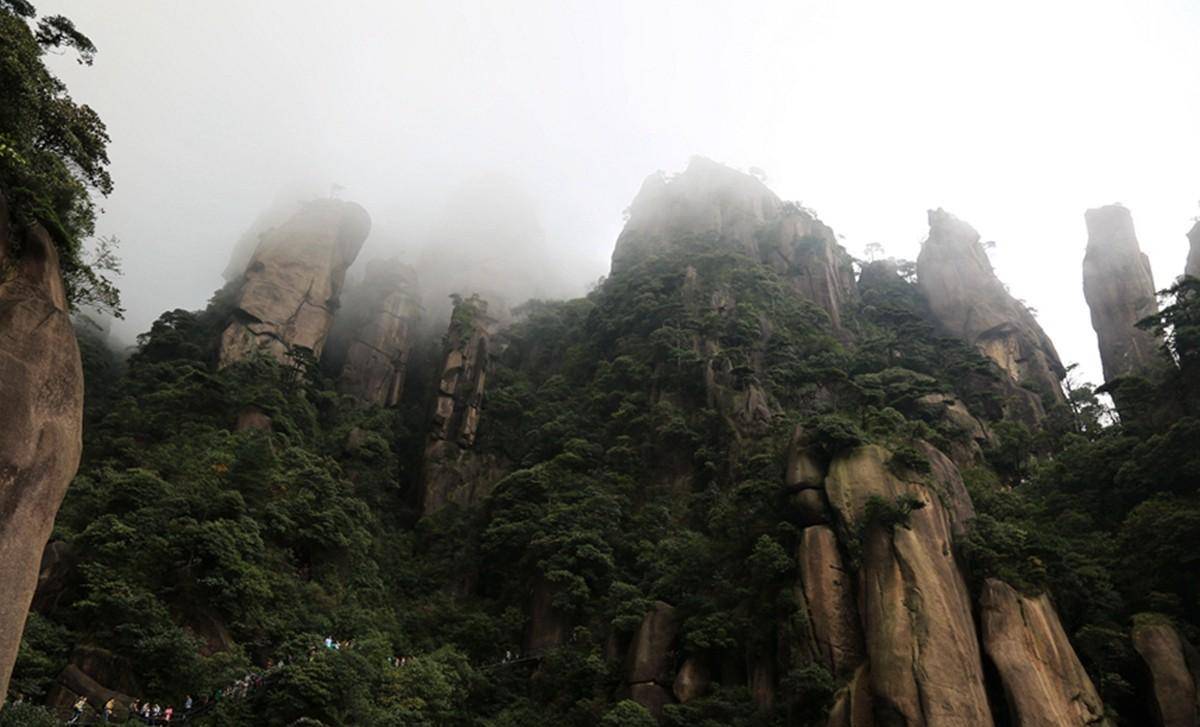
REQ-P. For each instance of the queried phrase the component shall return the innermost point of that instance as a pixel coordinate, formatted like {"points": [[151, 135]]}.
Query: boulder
{"points": [[651, 653], [827, 591], [289, 291], [1044, 683], [916, 614], [41, 396], [1176, 686], [711, 202], [376, 327], [969, 301], [77, 682], [1119, 289], [692, 680], [252, 417]]}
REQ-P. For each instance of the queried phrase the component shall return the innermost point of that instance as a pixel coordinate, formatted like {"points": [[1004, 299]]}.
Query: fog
{"points": [[1015, 116]]}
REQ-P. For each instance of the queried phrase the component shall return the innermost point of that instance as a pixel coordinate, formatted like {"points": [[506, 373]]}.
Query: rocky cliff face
{"points": [[1119, 289], [453, 472], [1193, 259], [925, 666], [712, 202], [41, 397], [289, 291], [969, 301], [1174, 667], [1044, 683], [376, 327]]}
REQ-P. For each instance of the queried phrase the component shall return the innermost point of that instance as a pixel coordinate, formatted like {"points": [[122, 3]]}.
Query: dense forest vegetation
{"points": [[644, 430]]}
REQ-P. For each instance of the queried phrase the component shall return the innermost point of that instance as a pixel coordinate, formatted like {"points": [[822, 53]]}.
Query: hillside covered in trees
{"points": [[747, 480]]}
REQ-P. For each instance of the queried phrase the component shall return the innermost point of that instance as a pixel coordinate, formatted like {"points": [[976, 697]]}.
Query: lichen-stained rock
{"points": [[918, 628], [1119, 289], [452, 470], [41, 400], [1175, 681], [969, 301], [651, 652], [385, 309], [1044, 683], [290, 289], [829, 595], [709, 201]]}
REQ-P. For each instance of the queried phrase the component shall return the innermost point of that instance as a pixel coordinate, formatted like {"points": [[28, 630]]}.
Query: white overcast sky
{"points": [[1016, 116]]}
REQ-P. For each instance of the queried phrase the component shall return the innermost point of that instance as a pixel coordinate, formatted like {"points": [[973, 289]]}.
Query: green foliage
{"points": [[628, 713], [53, 152], [890, 515]]}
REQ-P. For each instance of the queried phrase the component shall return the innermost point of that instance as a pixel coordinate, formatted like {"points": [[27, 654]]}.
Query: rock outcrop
{"points": [[711, 202], [1174, 671], [1119, 289], [918, 628], [453, 471], [289, 291], [650, 661], [380, 316], [1193, 259], [969, 301], [1044, 683], [828, 593], [692, 680], [41, 397]]}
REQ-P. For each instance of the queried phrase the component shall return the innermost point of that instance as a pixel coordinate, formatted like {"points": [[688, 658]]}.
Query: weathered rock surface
{"points": [[972, 434], [1193, 259], [806, 465], [852, 707], [57, 561], [692, 680], [1176, 683], [651, 652], [918, 628], [547, 627], [383, 311], [969, 301], [1119, 289], [290, 288], [651, 696], [1044, 683], [709, 201], [453, 471], [41, 397], [828, 593]]}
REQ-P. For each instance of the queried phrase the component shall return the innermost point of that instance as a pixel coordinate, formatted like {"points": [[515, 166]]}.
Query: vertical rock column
{"points": [[1193, 259], [290, 288], [41, 400], [925, 666], [1119, 289], [1174, 668], [1044, 683], [969, 301], [379, 333]]}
